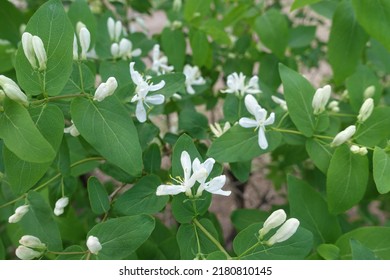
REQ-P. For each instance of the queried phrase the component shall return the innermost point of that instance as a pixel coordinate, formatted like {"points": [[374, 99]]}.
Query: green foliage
{"points": [[98, 196]]}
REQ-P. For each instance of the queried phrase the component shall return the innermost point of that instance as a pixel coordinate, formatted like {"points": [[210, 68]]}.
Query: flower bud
{"points": [[363, 151], [32, 242], [277, 218], [343, 136], [19, 213], [40, 52], [284, 232], [25, 253], [111, 28], [60, 205], [282, 103], [320, 99], [15, 93], [354, 149], [93, 245], [72, 130], [105, 89], [118, 30], [369, 92], [366, 110], [5, 80], [115, 50], [28, 49], [75, 48], [79, 25], [124, 47], [85, 41]]}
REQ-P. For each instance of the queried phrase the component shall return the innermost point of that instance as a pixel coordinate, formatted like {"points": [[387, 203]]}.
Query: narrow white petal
{"points": [[155, 99], [111, 28], [247, 123], [158, 86], [216, 184], [262, 139], [251, 104], [135, 75], [260, 115], [196, 165], [186, 164], [190, 89], [170, 189], [209, 164], [140, 112], [270, 119]]}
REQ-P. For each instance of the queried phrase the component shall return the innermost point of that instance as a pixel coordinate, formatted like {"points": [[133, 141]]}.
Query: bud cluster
{"points": [[12, 90], [60, 205], [30, 248], [105, 89], [19, 213], [84, 37], [34, 50]]}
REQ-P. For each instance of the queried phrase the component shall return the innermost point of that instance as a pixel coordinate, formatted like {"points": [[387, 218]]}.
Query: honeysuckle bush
{"points": [[89, 102]]}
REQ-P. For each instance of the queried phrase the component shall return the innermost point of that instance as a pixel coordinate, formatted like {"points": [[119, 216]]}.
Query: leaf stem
{"points": [[53, 98], [212, 238], [67, 253]]}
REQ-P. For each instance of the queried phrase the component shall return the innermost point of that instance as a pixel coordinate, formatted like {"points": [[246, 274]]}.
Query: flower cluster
{"points": [[160, 62], [105, 89], [260, 121], [60, 205], [195, 172], [12, 90], [286, 230], [236, 84], [19, 213], [84, 37], [30, 248]]}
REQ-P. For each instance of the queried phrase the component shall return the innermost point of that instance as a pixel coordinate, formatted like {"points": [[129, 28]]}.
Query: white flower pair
{"points": [[12, 90], [19, 213], [60, 205], [195, 172], [236, 84], [85, 41], [30, 248], [34, 50]]}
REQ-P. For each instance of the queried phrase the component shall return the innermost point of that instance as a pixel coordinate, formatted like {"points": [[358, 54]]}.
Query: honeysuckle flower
{"points": [[334, 106], [32, 242], [28, 49], [214, 186], [343, 136], [320, 99], [189, 180], [284, 232], [141, 91], [12, 90], [30, 248], [25, 253], [40, 52], [72, 130], [282, 103], [105, 89], [114, 29], [75, 48], [60, 205], [93, 244], [218, 130], [366, 110], [160, 63], [277, 218], [85, 41], [355, 149], [261, 121], [193, 77], [19, 213], [369, 92], [236, 85]]}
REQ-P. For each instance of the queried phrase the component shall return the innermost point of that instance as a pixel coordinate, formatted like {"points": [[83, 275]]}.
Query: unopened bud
{"points": [[60, 205], [369, 92], [284, 232], [111, 28], [40, 52], [354, 149], [343, 136], [105, 89], [118, 30], [363, 151], [32, 242], [366, 110], [25, 253], [93, 244], [277, 218], [85, 41], [115, 49], [320, 99], [15, 93], [72, 130], [28, 49], [124, 47], [75, 48], [19, 213]]}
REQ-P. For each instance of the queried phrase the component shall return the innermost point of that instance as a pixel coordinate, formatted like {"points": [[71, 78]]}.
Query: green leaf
{"points": [[195, 8], [201, 50], [75, 84], [299, 93], [301, 3], [174, 82], [241, 144], [360, 252], [375, 239], [120, 237], [39, 222], [247, 246], [105, 123], [52, 25], [174, 46], [346, 42], [347, 179], [320, 153], [310, 208], [378, 56], [329, 251], [21, 136], [98, 196], [272, 28], [234, 108], [301, 36], [193, 123], [241, 170], [22, 175], [374, 16], [381, 170], [185, 210], [146, 133], [242, 218], [10, 20], [2, 251], [375, 129], [6, 57], [215, 30], [141, 198], [152, 159], [188, 237]]}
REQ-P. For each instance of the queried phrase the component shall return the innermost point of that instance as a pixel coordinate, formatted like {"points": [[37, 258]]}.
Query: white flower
{"points": [[277, 218], [284, 232], [40, 52], [343, 136], [93, 245], [236, 85], [334, 106], [320, 99], [114, 29], [12, 90], [105, 89], [85, 41], [28, 49], [366, 110], [60, 205], [218, 130], [19, 213], [214, 186], [32, 242], [193, 77], [261, 119], [75, 48], [282, 103], [369, 92], [72, 130], [25, 253], [141, 92], [160, 64], [189, 179], [355, 149]]}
